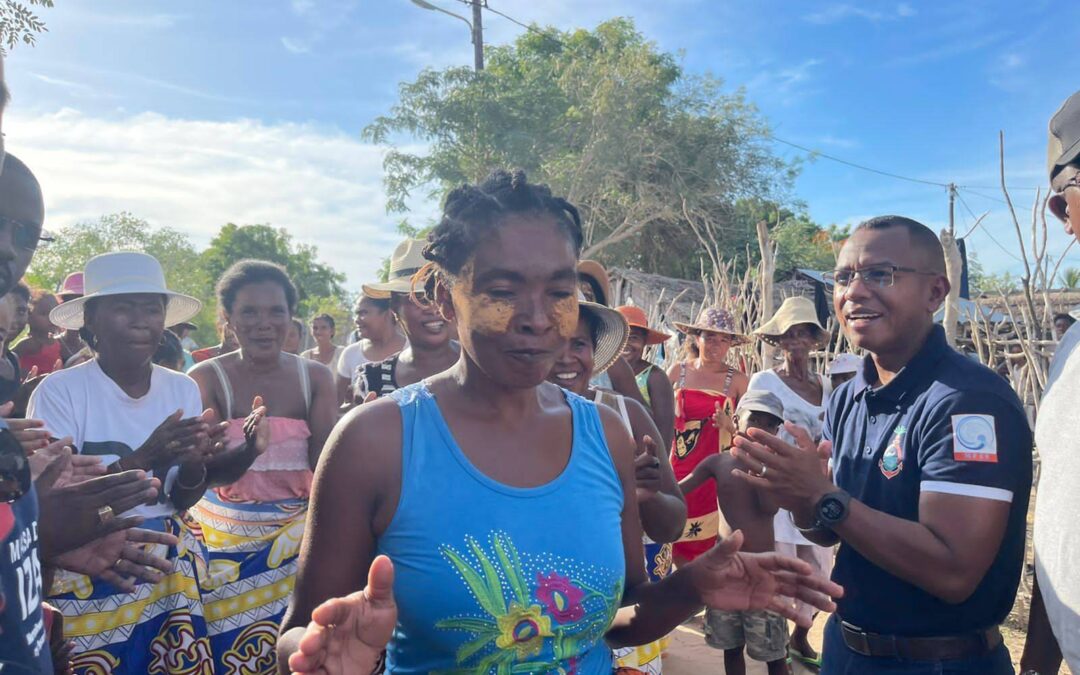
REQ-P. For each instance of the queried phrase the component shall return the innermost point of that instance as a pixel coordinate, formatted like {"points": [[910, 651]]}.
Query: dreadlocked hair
{"points": [[472, 212]]}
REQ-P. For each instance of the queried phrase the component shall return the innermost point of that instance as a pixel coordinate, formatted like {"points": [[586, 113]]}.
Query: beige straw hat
{"points": [[611, 335], [406, 260], [124, 273], [794, 311], [714, 320]]}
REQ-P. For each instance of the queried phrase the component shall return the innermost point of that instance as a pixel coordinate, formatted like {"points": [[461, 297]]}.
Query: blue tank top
{"points": [[498, 579]]}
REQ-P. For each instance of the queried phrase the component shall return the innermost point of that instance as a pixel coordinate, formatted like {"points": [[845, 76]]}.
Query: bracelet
{"points": [[197, 485], [806, 530]]}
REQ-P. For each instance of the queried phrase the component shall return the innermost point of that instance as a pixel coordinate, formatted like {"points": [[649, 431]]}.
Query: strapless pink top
{"points": [[282, 472]]}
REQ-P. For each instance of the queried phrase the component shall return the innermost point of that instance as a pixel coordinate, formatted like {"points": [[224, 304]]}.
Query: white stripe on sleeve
{"points": [[967, 490]]}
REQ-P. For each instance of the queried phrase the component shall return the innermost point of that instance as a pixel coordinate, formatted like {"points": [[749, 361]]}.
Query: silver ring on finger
{"points": [[764, 468]]}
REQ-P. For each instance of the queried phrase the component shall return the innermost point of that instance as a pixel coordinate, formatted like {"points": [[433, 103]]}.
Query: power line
{"points": [[979, 224], [853, 164], [979, 194]]}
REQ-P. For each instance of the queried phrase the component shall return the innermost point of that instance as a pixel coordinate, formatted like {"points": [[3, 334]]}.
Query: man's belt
{"points": [[940, 648]]}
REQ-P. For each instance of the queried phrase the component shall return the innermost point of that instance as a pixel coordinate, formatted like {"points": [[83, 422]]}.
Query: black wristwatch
{"points": [[831, 510]]}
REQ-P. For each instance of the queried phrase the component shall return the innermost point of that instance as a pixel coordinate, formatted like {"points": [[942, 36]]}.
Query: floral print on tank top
{"points": [[536, 613]]}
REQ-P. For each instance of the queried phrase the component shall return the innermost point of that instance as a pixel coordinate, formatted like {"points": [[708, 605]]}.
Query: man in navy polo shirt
{"points": [[931, 457]]}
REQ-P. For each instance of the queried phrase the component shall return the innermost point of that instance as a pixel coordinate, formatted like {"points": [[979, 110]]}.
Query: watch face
{"points": [[832, 509]]}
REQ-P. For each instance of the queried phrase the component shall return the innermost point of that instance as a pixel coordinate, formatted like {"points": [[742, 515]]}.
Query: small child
{"points": [[844, 367], [743, 507]]}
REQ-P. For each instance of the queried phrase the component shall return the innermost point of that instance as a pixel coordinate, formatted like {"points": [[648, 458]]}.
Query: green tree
{"points": [[1070, 278], [18, 23], [76, 244], [314, 280], [605, 118]]}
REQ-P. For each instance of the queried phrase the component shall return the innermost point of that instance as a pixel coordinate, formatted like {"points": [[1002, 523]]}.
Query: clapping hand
{"points": [[73, 515], [30, 434], [256, 430], [791, 474], [647, 476], [76, 470], [730, 580], [347, 635], [173, 441], [121, 558]]}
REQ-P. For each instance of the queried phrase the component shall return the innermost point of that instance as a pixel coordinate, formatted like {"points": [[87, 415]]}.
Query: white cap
{"points": [[844, 363]]}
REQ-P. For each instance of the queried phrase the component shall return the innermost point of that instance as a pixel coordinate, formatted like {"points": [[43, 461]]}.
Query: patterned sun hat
{"points": [[714, 320]]}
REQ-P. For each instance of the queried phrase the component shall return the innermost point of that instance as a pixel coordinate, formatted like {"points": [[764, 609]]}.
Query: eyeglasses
{"points": [[881, 276], [23, 235], [15, 478]]}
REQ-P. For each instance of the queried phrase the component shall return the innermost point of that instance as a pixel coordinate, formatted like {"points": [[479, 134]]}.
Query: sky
{"points": [[199, 113]]}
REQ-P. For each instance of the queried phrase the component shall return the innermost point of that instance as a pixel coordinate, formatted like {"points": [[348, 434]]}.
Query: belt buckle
{"points": [[856, 638]]}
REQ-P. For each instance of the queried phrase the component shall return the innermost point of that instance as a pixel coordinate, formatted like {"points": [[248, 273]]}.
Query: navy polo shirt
{"points": [[945, 424]]}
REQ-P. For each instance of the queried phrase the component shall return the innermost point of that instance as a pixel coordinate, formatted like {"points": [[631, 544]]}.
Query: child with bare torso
{"points": [[743, 507]]}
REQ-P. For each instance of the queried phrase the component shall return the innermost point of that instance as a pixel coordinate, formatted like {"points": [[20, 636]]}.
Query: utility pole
{"points": [[952, 208], [477, 35]]}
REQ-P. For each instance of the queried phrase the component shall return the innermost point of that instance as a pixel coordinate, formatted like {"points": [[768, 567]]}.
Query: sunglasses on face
{"points": [[15, 478]]}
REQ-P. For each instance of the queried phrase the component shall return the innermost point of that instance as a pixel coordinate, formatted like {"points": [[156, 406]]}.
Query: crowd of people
{"points": [[496, 475]]}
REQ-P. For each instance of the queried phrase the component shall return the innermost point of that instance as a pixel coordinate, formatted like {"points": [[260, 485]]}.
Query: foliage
{"points": [[607, 120], [314, 280], [189, 271], [75, 245], [18, 23], [1070, 279]]}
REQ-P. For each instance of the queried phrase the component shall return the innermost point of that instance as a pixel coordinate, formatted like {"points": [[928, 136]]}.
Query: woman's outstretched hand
{"points": [[728, 579], [348, 635]]}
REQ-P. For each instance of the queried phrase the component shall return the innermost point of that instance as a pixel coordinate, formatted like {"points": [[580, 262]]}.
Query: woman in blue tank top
{"points": [[506, 504]]}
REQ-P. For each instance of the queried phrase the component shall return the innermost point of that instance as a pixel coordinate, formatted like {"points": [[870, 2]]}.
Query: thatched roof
{"points": [[654, 290]]}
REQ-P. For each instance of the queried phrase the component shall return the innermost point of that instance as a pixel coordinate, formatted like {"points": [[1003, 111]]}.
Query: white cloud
{"points": [[72, 87], [839, 12], [295, 46], [194, 175], [786, 84], [838, 141]]}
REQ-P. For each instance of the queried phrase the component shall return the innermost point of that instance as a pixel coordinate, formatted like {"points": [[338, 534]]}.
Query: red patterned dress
{"points": [[696, 437]]}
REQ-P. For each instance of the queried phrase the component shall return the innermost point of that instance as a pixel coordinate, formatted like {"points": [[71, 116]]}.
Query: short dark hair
{"points": [[472, 212], [13, 166], [594, 323], [922, 237], [39, 294], [381, 304], [298, 325], [22, 290], [327, 318], [774, 420], [247, 272], [1063, 315], [170, 350]]}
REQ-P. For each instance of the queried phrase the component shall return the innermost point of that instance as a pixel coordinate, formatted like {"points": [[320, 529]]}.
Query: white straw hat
{"points": [[405, 262], [120, 274], [844, 363]]}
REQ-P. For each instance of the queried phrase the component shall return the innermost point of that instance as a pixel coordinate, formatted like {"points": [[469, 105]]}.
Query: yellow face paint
{"points": [[492, 316], [565, 316], [480, 312]]}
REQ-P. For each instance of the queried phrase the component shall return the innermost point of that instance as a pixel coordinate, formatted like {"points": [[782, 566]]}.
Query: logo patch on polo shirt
{"points": [[974, 438], [892, 462]]}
